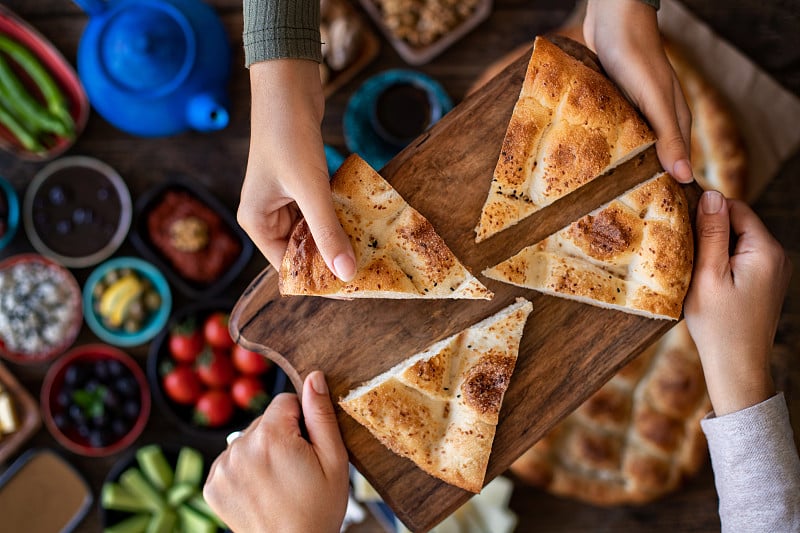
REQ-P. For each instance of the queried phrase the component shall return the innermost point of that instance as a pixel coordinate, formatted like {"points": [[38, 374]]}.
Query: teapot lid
{"points": [[147, 47]]}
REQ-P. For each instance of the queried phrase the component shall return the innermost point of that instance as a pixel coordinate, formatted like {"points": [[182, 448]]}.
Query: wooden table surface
{"points": [[766, 32]]}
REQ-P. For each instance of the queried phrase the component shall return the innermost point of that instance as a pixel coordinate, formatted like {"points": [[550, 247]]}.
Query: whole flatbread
{"points": [[634, 254], [570, 125], [719, 156], [398, 252], [440, 407], [635, 439]]}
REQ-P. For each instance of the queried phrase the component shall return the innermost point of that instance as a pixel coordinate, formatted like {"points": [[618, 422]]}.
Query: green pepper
{"points": [[25, 138], [27, 109], [53, 96]]}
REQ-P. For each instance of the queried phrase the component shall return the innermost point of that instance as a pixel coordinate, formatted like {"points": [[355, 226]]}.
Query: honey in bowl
{"points": [[402, 112]]}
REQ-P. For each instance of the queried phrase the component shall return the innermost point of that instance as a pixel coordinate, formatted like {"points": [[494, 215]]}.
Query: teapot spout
{"points": [[206, 113], [92, 7]]}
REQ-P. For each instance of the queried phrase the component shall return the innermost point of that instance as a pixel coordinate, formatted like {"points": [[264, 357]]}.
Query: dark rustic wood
{"points": [[568, 351], [764, 31]]}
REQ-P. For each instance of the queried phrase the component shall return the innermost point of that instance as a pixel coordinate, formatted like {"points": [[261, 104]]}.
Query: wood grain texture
{"points": [[567, 352]]}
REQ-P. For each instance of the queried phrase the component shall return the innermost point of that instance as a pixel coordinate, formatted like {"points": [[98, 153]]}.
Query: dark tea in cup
{"points": [[403, 111]]}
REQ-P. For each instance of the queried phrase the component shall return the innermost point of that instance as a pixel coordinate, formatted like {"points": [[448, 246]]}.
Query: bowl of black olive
{"points": [[95, 400]]}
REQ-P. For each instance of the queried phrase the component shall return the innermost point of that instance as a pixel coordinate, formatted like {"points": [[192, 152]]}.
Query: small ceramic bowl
{"points": [[54, 405], [151, 323], [359, 121], [111, 517], [44, 343], [274, 380], [146, 245], [62, 73], [77, 211], [9, 213]]}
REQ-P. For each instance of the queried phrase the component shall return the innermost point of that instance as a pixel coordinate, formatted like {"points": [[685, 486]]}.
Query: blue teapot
{"points": [[155, 67]]}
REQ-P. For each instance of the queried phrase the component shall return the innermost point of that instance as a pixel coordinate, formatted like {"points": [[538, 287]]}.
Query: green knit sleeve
{"points": [[276, 29]]}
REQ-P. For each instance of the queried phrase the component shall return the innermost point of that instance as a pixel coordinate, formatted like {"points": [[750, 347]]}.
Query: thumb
{"points": [[323, 429], [713, 233], [315, 203]]}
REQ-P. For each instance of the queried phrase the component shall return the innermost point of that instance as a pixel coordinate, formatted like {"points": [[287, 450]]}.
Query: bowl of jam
{"points": [[77, 211]]}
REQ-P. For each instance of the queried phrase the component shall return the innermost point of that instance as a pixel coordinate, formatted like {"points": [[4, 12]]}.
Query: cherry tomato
{"points": [[186, 341], [249, 394], [182, 385], [247, 362], [215, 330], [215, 368], [213, 409]]}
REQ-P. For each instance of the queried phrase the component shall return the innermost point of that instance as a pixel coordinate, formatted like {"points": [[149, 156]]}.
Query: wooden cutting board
{"points": [[568, 349]]}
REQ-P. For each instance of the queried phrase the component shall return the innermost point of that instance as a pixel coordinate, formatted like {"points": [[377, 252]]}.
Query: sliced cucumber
{"points": [[155, 466], [180, 492], [190, 467], [164, 522], [133, 480], [195, 522], [116, 497], [135, 524], [198, 503]]}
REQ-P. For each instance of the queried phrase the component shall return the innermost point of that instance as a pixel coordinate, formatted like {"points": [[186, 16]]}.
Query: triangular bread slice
{"points": [[398, 253], [440, 407], [570, 125], [634, 254]]}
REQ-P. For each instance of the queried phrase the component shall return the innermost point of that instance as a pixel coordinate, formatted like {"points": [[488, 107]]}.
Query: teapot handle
{"points": [[92, 7]]}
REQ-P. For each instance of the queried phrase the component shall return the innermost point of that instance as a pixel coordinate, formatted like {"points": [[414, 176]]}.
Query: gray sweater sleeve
{"points": [[756, 468], [276, 29]]}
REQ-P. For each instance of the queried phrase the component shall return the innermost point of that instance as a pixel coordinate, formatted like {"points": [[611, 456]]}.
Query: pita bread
{"points": [[440, 407], [398, 253], [635, 439], [634, 254], [570, 125], [719, 156]]}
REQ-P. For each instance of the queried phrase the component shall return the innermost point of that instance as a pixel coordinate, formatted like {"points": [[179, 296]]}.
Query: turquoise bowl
{"points": [[154, 323], [13, 212]]}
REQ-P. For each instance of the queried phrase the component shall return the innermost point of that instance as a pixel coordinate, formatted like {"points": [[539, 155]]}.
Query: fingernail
{"points": [[711, 202], [682, 170], [344, 267], [317, 380]]}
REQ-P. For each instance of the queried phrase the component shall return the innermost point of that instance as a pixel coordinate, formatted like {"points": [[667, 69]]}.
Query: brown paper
{"points": [[767, 114]]}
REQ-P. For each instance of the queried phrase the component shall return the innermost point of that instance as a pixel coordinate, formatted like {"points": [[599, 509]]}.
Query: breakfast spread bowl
{"points": [[40, 309], [175, 473], [95, 400], [64, 92], [77, 211], [126, 301], [203, 382], [9, 213]]}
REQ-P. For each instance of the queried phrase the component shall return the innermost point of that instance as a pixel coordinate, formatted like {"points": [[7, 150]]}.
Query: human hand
{"points": [[273, 479], [286, 165], [625, 36], [734, 303]]}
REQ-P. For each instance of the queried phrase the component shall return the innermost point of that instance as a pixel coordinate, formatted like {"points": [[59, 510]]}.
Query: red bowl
{"points": [[54, 382], [63, 74], [72, 330]]}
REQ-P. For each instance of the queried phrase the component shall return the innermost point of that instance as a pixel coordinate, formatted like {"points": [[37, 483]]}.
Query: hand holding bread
{"points": [[286, 168], [734, 302]]}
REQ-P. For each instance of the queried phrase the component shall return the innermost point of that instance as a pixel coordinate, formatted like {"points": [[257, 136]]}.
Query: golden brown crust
{"points": [[719, 155], [636, 438], [634, 254], [398, 252], [440, 407], [569, 125]]}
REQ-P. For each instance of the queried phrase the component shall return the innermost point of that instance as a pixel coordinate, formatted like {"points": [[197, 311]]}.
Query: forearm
{"points": [[736, 381], [756, 468], [276, 29]]}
